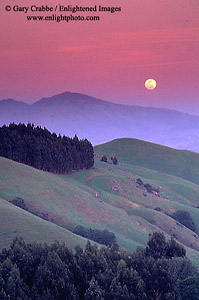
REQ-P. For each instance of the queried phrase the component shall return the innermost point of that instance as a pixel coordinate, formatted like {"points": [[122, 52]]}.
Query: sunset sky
{"points": [[108, 59]]}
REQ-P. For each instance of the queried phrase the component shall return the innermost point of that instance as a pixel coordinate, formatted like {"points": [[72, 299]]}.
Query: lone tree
{"points": [[114, 160], [104, 159]]}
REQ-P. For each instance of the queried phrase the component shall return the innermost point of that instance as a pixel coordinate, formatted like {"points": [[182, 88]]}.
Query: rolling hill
{"points": [[183, 164], [101, 121], [105, 197], [16, 222]]}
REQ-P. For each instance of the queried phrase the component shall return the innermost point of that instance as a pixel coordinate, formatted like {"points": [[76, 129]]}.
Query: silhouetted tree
{"points": [[114, 160], [184, 218], [104, 159], [139, 181]]}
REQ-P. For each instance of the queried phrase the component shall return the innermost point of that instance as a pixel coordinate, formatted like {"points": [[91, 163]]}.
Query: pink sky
{"points": [[109, 59]]}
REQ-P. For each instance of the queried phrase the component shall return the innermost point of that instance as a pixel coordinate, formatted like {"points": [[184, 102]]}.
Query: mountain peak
{"points": [[100, 121], [69, 98]]}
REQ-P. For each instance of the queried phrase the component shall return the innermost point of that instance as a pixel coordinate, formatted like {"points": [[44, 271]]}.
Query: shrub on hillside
{"points": [[158, 208], [148, 187], [114, 160], [184, 218], [139, 181], [104, 159], [19, 202], [104, 237]]}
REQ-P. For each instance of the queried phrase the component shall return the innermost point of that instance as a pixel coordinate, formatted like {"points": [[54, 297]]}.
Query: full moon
{"points": [[150, 84]]}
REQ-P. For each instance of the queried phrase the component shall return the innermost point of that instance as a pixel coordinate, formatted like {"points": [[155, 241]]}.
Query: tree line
{"points": [[48, 272], [39, 148]]}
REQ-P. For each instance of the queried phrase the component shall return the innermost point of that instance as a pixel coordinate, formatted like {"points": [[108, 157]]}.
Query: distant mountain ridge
{"points": [[100, 121]]}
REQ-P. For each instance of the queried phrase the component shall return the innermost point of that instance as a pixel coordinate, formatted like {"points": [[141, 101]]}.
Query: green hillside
{"points": [[180, 163], [67, 202], [14, 222], [108, 196]]}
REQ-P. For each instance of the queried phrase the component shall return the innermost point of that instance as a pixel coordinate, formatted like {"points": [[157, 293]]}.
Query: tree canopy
{"points": [[36, 271], [39, 148]]}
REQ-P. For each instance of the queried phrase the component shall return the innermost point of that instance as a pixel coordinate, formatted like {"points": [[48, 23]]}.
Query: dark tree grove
{"points": [[43, 150], [184, 218], [35, 271], [103, 237]]}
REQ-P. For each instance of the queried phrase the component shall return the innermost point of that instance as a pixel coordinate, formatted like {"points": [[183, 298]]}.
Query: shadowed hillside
{"points": [[15, 222]]}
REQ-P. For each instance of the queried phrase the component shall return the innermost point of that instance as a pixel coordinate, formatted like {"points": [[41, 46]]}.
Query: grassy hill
{"points": [[15, 222], [66, 201], [108, 197], [183, 163]]}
